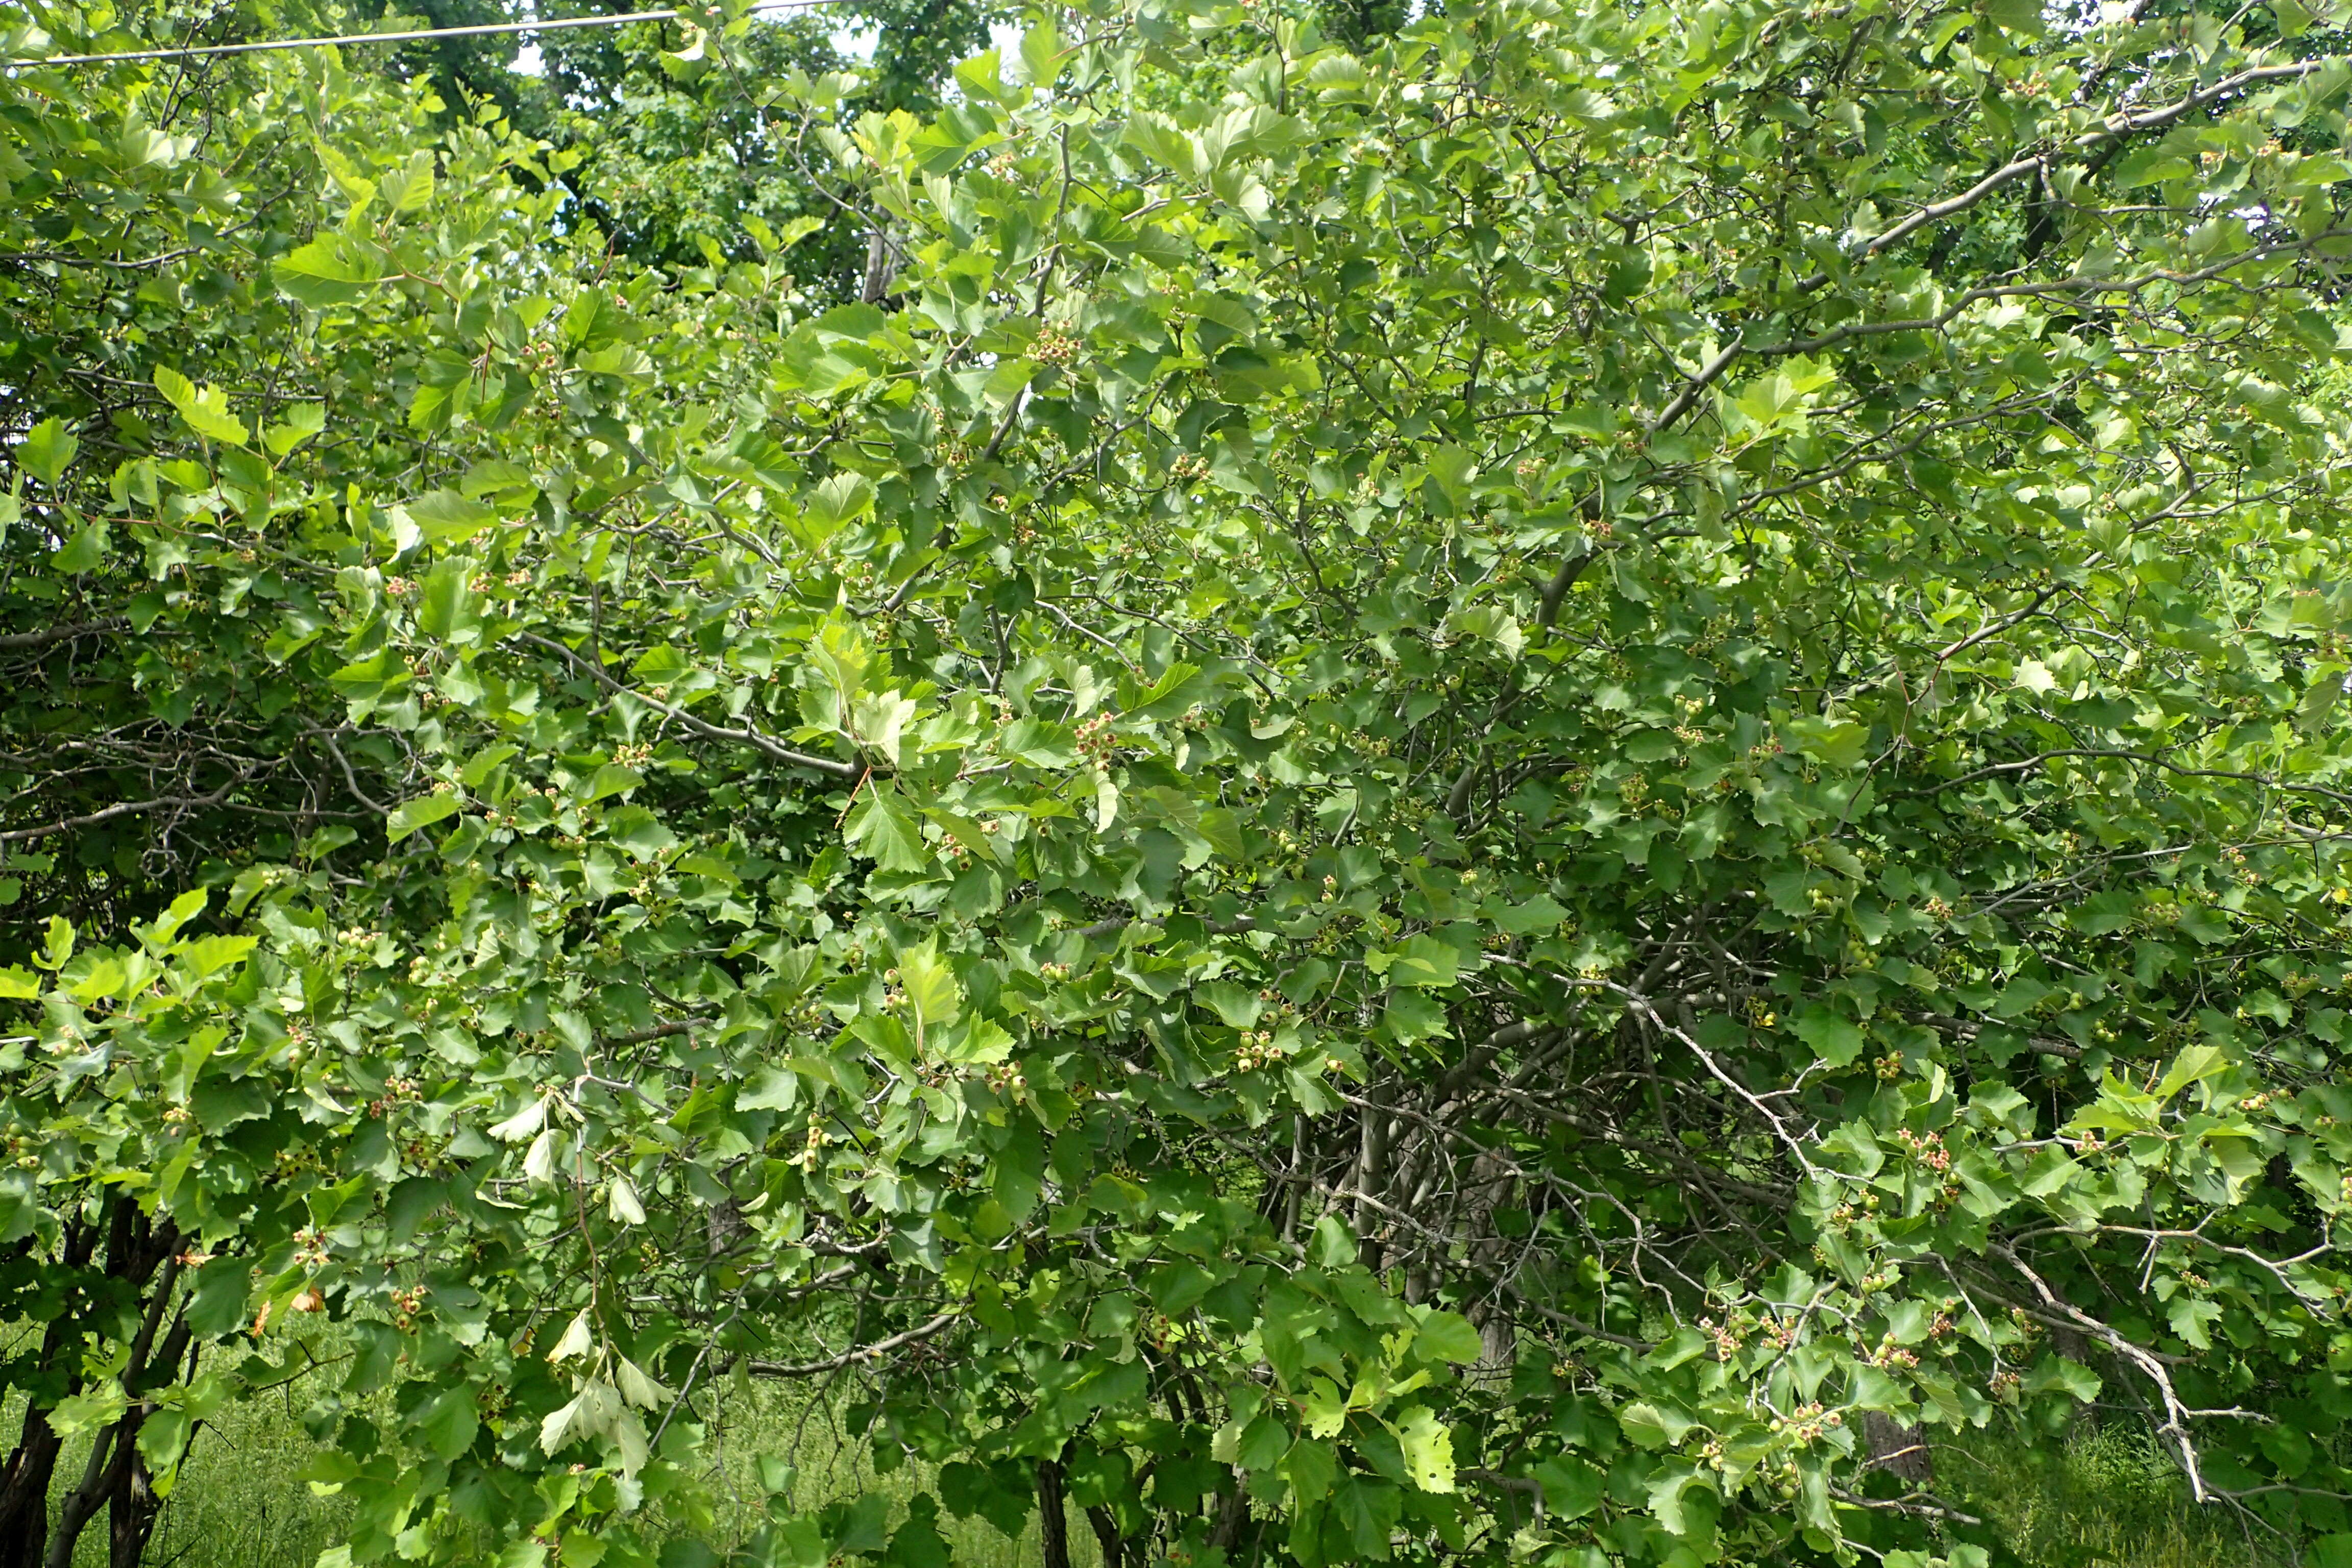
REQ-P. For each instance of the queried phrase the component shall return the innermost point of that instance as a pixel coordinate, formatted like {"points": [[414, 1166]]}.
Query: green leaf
{"points": [[1667, 1490], [59, 944], [834, 505], [1835, 1039], [1653, 1427], [918, 1542], [882, 830], [1177, 688], [1541, 913], [446, 611], [422, 811], [1236, 1007], [1781, 400], [661, 666], [2055, 1374], [496, 475], [47, 449], [203, 409], [540, 1160], [1571, 1487], [446, 517], [968, 833], [411, 187], [579, 1337], [303, 421], [1369, 1509], [769, 1088], [929, 986], [99, 1405], [333, 270], [1422, 961], [1322, 1412], [163, 1438], [1310, 1467], [1448, 1336], [1428, 1449], [447, 1423], [2193, 1065], [85, 552], [1040, 51], [216, 1304], [1833, 745], [2019, 15], [612, 779], [997, 1493], [1019, 1171], [639, 831]]}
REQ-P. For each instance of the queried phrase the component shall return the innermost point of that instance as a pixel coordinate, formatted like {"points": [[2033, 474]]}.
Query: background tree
{"points": [[667, 146], [1357, 22]]}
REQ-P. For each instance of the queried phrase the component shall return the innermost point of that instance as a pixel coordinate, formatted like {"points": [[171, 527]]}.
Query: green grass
{"points": [[756, 1418], [241, 1502], [2108, 1500]]}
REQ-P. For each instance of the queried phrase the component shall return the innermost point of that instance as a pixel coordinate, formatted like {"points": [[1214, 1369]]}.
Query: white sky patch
{"points": [[855, 44]]}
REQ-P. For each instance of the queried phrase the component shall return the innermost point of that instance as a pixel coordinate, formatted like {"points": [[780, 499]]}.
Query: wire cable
{"points": [[420, 35]]}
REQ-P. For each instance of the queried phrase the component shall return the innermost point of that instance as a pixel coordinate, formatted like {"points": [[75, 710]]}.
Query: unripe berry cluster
{"points": [[1094, 739], [1054, 347], [1257, 1050]]}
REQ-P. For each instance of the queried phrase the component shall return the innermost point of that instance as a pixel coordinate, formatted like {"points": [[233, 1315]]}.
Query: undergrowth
{"points": [[2107, 1500]]}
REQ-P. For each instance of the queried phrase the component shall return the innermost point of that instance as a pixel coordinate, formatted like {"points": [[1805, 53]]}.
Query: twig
{"points": [[846, 1358], [747, 736]]}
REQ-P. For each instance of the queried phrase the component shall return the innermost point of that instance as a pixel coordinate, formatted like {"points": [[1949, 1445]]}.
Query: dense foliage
{"points": [[1517, 797]]}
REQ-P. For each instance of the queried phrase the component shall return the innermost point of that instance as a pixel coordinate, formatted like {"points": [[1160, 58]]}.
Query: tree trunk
{"points": [[81, 1503], [876, 286], [1491, 1187], [1053, 1520], [1498, 1345], [26, 1480], [1233, 1517], [1371, 1176], [25, 1493], [1901, 1451], [1106, 1536], [135, 1247], [131, 1502]]}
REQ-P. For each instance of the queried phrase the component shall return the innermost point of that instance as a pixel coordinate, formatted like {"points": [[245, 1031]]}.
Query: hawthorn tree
{"points": [[1524, 797]]}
